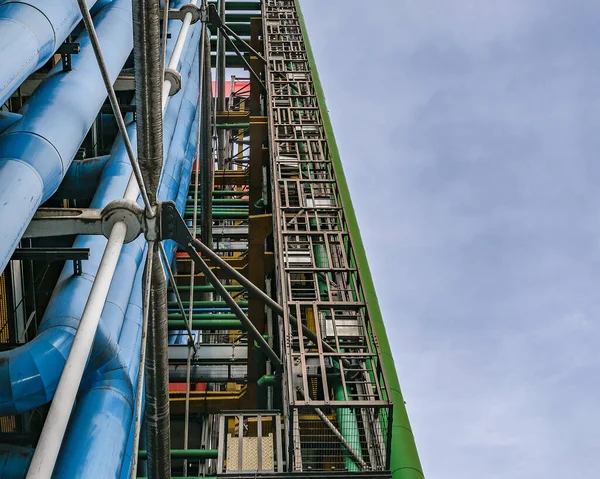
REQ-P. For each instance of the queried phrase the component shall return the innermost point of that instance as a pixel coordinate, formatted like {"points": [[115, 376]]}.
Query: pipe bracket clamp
{"points": [[127, 211], [174, 78], [152, 225], [190, 8]]}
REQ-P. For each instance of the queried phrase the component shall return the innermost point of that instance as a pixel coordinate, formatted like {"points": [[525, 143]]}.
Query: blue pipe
{"points": [[29, 374], [81, 177], [32, 30], [37, 150], [14, 461], [8, 119], [104, 414]]}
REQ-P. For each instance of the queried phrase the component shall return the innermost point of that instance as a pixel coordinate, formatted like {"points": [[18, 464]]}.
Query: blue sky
{"points": [[470, 135]]}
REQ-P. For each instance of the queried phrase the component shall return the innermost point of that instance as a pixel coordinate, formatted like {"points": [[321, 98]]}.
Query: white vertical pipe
{"points": [[46, 452], [176, 55]]}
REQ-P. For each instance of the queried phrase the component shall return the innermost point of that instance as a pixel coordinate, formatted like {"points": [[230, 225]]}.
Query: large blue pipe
{"points": [[32, 30], [29, 374], [14, 461], [103, 415], [102, 419], [37, 150], [80, 176]]}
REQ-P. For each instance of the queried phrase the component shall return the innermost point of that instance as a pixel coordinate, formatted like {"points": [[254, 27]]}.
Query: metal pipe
{"points": [[207, 325], [80, 176], [207, 304], [177, 51], [179, 302], [222, 201], [39, 148], [230, 193], [148, 80], [188, 454], [205, 153], [157, 416], [120, 393], [348, 429], [114, 103], [189, 321], [54, 428], [266, 380], [139, 398], [209, 316], [32, 30], [209, 289], [221, 291], [221, 53]]}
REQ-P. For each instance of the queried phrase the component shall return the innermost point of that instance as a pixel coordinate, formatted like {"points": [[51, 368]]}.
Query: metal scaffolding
{"points": [[266, 355]]}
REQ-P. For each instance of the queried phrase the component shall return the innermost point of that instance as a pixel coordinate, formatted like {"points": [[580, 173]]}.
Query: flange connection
{"points": [[127, 211]]}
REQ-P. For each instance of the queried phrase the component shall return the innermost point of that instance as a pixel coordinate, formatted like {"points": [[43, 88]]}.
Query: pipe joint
{"points": [[174, 79], [126, 211]]}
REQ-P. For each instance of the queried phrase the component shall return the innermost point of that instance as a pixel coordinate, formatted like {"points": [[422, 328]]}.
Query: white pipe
{"points": [[176, 55], [139, 390], [53, 432], [46, 452]]}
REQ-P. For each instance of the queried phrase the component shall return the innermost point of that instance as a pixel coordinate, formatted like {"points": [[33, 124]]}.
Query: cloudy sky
{"points": [[470, 135]]}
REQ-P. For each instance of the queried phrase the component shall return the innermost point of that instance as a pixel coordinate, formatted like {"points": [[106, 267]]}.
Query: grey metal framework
{"points": [[337, 406]]}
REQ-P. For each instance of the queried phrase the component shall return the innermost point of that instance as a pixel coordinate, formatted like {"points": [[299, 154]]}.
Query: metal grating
{"points": [[318, 276], [7, 423], [4, 317]]}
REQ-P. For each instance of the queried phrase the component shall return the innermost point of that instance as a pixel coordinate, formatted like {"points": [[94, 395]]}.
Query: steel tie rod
{"points": [[177, 296], [140, 384], [89, 25], [222, 291], [261, 295]]}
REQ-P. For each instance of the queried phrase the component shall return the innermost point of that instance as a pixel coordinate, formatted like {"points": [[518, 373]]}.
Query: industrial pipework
{"points": [[224, 323]]}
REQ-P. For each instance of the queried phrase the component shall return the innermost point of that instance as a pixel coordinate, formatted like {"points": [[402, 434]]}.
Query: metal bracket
{"points": [[49, 222], [172, 225], [174, 78], [54, 254], [180, 13], [66, 50]]}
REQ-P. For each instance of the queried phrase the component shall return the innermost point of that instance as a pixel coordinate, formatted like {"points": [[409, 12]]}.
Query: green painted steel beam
{"points": [[241, 6], [208, 289], [405, 463], [204, 316], [187, 454], [206, 324], [206, 304], [230, 193], [222, 201], [231, 126]]}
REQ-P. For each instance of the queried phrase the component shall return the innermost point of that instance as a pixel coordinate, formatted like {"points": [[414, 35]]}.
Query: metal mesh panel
{"points": [[340, 439]]}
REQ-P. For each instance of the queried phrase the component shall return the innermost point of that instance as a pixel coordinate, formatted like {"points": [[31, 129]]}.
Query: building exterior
{"points": [[250, 342]]}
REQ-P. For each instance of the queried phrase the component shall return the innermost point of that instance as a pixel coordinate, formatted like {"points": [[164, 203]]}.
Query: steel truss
{"points": [[338, 411]]}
